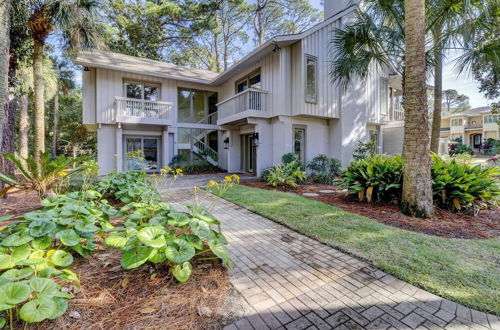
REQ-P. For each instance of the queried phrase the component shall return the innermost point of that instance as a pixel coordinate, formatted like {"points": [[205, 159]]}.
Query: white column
{"points": [[119, 149], [164, 147]]}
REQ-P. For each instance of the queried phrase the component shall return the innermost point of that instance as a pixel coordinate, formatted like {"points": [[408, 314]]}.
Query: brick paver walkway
{"points": [[294, 282]]}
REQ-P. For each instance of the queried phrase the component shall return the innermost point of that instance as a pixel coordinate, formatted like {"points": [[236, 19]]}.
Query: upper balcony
{"points": [[251, 102], [137, 111]]}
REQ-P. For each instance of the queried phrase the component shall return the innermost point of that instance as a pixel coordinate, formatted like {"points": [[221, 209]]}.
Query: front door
{"points": [[476, 140], [248, 154], [142, 153]]}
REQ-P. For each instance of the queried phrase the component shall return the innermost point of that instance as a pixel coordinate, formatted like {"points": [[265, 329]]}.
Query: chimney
{"points": [[332, 7]]}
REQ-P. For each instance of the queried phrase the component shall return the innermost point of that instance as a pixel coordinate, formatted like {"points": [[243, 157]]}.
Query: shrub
{"points": [[285, 175], [324, 169], [201, 166], [42, 176], [364, 149], [491, 147], [460, 185], [377, 178], [178, 160], [290, 157], [460, 148], [128, 187]]}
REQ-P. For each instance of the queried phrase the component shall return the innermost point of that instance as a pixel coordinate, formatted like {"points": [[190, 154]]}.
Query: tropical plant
{"points": [[128, 187], [374, 179], [76, 24], [323, 169], [42, 176], [460, 148], [289, 157], [461, 185], [364, 149], [287, 175]]}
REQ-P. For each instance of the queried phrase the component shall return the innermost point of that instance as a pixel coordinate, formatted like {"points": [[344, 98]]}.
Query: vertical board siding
{"points": [[327, 101]]}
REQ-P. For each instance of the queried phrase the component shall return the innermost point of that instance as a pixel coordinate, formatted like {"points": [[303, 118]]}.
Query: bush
{"points": [[375, 179], [364, 150], [289, 157], [491, 147], [461, 185], [460, 148], [323, 169], [284, 175], [202, 166]]}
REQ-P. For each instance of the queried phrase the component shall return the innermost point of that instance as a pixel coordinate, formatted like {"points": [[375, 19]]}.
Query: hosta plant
{"points": [[459, 185], [376, 178]]}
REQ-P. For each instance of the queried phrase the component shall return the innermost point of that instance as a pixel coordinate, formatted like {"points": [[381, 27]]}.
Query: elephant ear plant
{"points": [[161, 235]]}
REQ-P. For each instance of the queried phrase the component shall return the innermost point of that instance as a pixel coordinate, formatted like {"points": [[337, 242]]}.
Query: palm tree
{"points": [[416, 199], [76, 24], [64, 84], [4, 59]]}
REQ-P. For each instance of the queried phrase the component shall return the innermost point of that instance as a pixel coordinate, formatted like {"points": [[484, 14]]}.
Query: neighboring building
{"points": [[472, 126], [277, 99]]}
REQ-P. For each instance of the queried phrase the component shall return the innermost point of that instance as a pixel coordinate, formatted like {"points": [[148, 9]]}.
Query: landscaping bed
{"points": [[445, 224], [465, 271], [19, 201]]}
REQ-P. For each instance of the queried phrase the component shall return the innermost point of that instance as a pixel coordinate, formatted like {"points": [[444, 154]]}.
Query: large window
{"points": [[195, 106], [490, 119], [384, 96], [250, 81], [457, 122], [311, 76], [142, 91], [299, 143]]}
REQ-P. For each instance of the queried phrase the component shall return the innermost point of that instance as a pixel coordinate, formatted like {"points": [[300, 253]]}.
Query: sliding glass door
{"points": [[141, 153]]}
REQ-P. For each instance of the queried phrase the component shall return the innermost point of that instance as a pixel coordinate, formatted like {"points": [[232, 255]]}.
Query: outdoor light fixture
{"points": [[226, 143], [86, 68], [255, 139]]}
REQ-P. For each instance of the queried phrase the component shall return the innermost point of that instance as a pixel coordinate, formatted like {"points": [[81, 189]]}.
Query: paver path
{"points": [[294, 282]]}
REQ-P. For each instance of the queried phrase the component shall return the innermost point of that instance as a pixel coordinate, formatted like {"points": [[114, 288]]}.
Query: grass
{"points": [[465, 271]]}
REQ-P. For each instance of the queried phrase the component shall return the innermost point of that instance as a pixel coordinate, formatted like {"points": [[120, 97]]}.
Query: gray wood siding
{"points": [[328, 96], [89, 97]]}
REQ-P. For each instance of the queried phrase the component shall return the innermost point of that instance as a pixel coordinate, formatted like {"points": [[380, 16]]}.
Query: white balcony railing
{"points": [[142, 109], [249, 99], [397, 111]]}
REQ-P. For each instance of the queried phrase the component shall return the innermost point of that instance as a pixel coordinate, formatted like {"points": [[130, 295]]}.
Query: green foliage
{"points": [[128, 187], [460, 148], [42, 176], [287, 175], [491, 147], [458, 185], [323, 169], [375, 179], [201, 166], [289, 157], [364, 149]]}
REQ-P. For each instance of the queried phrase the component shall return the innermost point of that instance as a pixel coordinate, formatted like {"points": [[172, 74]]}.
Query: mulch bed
{"points": [[145, 298], [444, 224], [18, 202]]}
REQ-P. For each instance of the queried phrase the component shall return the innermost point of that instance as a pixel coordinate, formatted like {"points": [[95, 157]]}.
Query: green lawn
{"points": [[465, 271]]}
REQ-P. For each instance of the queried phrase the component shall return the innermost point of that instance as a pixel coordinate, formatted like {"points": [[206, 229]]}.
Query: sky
{"points": [[464, 84]]}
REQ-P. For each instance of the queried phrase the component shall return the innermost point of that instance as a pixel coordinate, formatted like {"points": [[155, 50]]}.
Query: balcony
{"points": [[249, 103], [136, 111]]}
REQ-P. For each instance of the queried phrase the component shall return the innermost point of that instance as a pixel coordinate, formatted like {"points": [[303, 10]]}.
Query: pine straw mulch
{"points": [[445, 224], [19, 201], [145, 298]]}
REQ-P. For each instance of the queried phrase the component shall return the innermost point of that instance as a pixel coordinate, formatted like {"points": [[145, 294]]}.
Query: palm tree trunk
{"points": [[23, 126], [438, 97], [417, 192], [4, 59], [55, 128], [39, 98]]}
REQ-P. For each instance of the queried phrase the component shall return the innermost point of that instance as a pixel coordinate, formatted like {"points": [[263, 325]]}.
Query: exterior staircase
{"points": [[201, 148]]}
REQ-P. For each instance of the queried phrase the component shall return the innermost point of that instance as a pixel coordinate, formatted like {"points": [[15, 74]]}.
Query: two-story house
{"points": [[277, 99], [472, 126]]}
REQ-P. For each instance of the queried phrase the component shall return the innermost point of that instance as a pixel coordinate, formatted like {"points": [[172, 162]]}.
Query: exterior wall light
{"points": [[255, 140], [226, 143]]}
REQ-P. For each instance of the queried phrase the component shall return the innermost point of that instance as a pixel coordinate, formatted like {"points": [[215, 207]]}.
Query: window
{"points": [[490, 119], [311, 64], [142, 91], [384, 96], [457, 122], [250, 81], [299, 143], [374, 136], [195, 106]]}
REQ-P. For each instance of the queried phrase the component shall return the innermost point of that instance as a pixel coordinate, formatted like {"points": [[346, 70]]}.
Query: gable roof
{"points": [[470, 112], [120, 62]]}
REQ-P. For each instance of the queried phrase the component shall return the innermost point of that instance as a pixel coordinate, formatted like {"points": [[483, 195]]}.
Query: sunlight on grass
{"points": [[465, 271]]}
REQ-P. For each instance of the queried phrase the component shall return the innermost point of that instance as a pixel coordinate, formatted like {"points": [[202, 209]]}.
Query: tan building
{"points": [[474, 126]]}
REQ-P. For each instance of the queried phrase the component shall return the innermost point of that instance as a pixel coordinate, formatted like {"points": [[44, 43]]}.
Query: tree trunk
{"points": [[4, 59], [8, 138], [55, 128], [23, 126], [438, 98], [39, 98], [417, 192]]}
